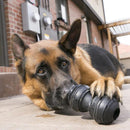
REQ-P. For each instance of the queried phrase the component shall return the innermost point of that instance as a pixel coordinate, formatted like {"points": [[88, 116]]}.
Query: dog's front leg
{"points": [[99, 84], [105, 85]]}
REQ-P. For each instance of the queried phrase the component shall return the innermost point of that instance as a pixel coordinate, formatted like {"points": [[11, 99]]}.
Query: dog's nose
{"points": [[56, 97], [63, 89]]}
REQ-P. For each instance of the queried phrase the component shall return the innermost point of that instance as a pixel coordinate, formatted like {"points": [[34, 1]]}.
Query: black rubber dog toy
{"points": [[104, 110]]}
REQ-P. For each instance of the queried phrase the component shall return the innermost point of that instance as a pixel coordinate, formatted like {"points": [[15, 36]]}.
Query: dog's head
{"points": [[49, 66]]}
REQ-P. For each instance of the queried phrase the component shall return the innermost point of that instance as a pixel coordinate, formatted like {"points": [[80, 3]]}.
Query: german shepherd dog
{"points": [[48, 68]]}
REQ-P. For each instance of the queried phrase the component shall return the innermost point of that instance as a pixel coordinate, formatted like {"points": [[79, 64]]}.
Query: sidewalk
{"points": [[18, 113]]}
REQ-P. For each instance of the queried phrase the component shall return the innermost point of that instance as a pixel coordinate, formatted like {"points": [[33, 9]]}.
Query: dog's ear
{"points": [[69, 41], [18, 47]]}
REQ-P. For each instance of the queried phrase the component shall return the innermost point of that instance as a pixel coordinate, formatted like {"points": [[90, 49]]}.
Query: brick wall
{"points": [[96, 34], [76, 13], [53, 11], [13, 19]]}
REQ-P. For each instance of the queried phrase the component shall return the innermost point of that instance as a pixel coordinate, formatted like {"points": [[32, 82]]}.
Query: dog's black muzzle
{"points": [[56, 98]]}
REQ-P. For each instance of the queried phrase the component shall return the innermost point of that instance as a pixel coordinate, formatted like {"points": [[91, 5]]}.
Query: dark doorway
{"points": [[3, 44]]}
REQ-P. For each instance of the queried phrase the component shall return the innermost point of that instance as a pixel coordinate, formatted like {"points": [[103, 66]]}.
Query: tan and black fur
{"points": [[48, 68]]}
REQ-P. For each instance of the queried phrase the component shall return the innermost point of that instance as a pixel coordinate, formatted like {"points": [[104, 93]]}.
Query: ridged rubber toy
{"points": [[104, 110]]}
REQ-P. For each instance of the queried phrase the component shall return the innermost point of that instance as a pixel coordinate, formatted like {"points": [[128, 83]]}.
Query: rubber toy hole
{"points": [[116, 113]]}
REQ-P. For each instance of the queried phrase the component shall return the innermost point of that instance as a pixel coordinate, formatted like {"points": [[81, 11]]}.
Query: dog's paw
{"points": [[41, 103], [45, 108], [105, 86]]}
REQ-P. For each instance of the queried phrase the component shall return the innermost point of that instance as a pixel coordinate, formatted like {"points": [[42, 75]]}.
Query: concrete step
{"points": [[9, 84], [19, 113]]}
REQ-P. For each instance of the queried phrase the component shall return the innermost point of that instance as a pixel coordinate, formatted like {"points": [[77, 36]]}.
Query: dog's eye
{"points": [[41, 71], [64, 64]]}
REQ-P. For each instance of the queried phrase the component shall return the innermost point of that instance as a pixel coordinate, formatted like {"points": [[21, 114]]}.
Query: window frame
{"points": [[59, 11]]}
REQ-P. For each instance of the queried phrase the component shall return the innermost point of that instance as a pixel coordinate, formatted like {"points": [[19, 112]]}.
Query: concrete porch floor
{"points": [[18, 113]]}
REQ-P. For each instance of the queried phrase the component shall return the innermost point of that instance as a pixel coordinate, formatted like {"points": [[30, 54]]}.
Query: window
{"points": [[88, 31], [86, 21], [62, 10]]}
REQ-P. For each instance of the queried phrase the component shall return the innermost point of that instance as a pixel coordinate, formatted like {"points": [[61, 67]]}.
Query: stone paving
{"points": [[18, 113]]}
